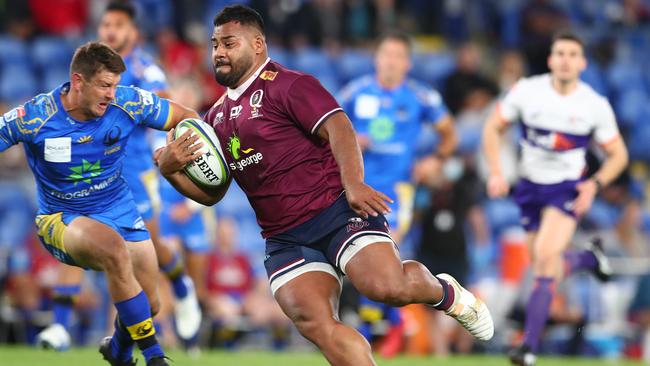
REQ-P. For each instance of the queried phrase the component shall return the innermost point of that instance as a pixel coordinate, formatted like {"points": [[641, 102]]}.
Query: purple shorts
{"points": [[532, 198]]}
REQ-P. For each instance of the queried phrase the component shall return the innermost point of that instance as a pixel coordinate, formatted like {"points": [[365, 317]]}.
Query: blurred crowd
{"points": [[471, 52]]}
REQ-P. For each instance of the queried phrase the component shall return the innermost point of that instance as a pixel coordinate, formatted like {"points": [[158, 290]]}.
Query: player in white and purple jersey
{"points": [[560, 116], [294, 153]]}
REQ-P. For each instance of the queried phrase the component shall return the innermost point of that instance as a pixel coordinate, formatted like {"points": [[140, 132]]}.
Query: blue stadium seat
{"points": [[354, 63], [623, 75], [53, 77], [49, 52], [501, 213], [632, 107], [593, 76], [14, 51], [17, 84], [433, 67], [280, 55], [313, 61], [637, 142]]}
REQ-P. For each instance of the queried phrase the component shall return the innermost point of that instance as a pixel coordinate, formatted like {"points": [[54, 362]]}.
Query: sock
{"points": [[576, 260], [370, 313], [174, 271], [448, 296], [121, 343], [537, 311], [135, 314], [63, 303], [393, 315]]}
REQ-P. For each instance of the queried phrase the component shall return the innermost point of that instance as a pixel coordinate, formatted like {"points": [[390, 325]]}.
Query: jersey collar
{"points": [[234, 94]]}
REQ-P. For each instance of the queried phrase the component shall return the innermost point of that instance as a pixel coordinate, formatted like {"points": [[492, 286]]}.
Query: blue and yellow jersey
{"points": [[392, 120], [77, 165], [142, 72]]}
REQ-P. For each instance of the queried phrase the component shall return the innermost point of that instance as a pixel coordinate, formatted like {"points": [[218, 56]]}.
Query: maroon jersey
{"points": [[268, 131]]}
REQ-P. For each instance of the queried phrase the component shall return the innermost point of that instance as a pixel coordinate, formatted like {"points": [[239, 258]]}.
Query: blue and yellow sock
{"points": [[135, 314], [121, 342], [176, 274], [63, 297]]}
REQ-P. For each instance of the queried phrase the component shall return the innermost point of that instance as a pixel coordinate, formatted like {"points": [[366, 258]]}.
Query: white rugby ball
{"points": [[209, 169]]}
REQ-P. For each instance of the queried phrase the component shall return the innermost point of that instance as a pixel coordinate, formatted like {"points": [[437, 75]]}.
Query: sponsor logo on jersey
{"points": [[242, 157], [17, 112], [85, 172], [235, 112], [84, 139], [112, 150], [112, 136], [86, 191], [2, 122], [255, 102], [268, 75], [218, 118], [146, 96]]}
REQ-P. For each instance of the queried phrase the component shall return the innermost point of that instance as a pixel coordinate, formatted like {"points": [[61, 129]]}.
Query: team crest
{"points": [[356, 224], [256, 103], [268, 75]]}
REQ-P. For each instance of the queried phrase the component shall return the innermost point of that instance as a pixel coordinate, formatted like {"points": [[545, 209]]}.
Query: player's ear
{"points": [[258, 43], [76, 80]]}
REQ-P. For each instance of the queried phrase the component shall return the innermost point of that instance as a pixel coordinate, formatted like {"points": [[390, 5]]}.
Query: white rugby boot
{"points": [[187, 313], [469, 311], [54, 337]]}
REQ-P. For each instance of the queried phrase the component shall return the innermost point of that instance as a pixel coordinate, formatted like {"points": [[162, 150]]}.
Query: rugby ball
{"points": [[209, 169]]}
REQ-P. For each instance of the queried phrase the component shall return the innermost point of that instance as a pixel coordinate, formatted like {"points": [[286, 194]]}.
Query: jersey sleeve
{"points": [[309, 104], [605, 129], [434, 108], [511, 105], [11, 132], [145, 107]]}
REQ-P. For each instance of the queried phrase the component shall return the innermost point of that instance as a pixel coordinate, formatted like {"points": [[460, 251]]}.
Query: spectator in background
{"points": [[229, 280], [467, 88], [539, 20], [453, 202], [66, 18]]}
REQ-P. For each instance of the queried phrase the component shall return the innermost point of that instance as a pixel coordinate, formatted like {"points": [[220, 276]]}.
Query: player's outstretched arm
{"points": [[497, 186], [362, 198], [173, 157], [448, 137], [178, 113]]}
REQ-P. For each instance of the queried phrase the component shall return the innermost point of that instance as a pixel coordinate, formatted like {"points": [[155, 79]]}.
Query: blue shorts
{"points": [[144, 186], [324, 243], [532, 198], [191, 233], [123, 218]]}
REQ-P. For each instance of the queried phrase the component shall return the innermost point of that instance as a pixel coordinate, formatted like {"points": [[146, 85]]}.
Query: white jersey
{"points": [[556, 129]]}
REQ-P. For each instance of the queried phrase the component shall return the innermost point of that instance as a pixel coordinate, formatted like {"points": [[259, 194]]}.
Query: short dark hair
{"points": [[242, 14], [396, 36], [122, 6], [567, 35], [93, 57]]}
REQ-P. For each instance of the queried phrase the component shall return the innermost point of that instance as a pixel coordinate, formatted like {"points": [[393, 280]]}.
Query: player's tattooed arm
{"points": [[362, 198]]}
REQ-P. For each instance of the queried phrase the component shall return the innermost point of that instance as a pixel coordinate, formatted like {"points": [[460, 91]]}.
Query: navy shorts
{"points": [[324, 243], [532, 198]]}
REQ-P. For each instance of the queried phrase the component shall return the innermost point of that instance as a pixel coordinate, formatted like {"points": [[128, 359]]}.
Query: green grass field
{"points": [[22, 356]]}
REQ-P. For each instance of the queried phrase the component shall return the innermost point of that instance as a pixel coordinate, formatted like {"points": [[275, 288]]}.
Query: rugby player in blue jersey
{"points": [[389, 112], [74, 138], [118, 30]]}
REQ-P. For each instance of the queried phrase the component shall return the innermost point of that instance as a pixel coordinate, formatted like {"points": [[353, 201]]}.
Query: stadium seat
{"points": [[280, 55], [593, 76], [50, 51], [433, 67], [17, 84], [313, 61], [52, 78], [353, 63], [14, 51], [632, 107]]}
